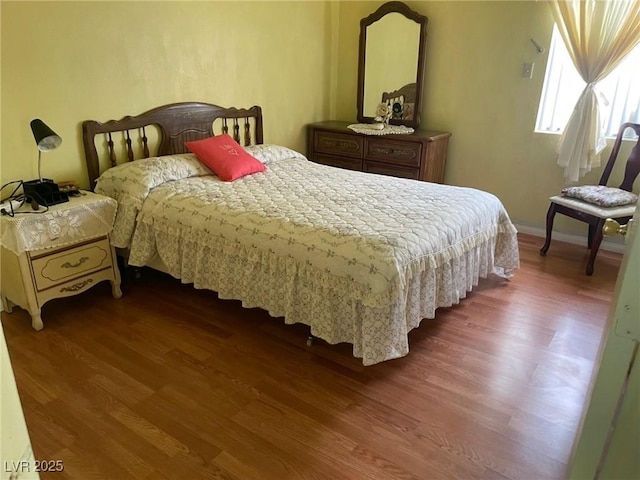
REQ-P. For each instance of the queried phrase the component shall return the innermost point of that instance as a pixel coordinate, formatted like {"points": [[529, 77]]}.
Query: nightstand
{"points": [[58, 253]]}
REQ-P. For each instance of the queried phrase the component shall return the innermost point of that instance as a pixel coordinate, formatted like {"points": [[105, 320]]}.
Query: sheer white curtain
{"points": [[597, 34]]}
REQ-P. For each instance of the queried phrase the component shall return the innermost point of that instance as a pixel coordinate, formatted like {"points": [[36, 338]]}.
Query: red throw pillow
{"points": [[225, 157]]}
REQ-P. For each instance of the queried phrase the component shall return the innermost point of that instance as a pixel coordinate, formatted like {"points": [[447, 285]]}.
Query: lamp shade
{"points": [[46, 139]]}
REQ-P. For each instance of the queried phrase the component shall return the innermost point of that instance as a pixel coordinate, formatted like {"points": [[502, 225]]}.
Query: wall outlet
{"points": [[527, 70]]}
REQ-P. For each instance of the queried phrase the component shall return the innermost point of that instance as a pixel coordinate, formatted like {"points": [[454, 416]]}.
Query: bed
{"points": [[358, 257]]}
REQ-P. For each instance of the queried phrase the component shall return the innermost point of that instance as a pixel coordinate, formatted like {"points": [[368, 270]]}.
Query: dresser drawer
{"points": [[340, 162], [398, 153], [338, 144], [65, 265], [384, 169]]}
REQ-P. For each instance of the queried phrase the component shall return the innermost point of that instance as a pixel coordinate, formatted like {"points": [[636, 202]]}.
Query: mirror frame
{"points": [[393, 7]]}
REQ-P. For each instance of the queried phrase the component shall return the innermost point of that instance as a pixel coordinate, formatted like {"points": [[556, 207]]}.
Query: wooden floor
{"points": [[172, 383]]}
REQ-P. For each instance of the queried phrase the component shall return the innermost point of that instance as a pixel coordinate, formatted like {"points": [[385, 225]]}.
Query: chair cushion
{"points": [[601, 195], [595, 210]]}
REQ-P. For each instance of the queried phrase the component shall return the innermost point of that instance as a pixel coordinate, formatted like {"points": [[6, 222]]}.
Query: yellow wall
{"points": [[66, 62], [474, 89]]}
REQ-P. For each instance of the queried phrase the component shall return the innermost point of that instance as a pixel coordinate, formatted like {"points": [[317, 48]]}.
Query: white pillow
{"points": [[130, 183], [272, 153], [136, 179]]}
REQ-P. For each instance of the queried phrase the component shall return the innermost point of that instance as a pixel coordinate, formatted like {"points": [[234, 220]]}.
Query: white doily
{"points": [[82, 218], [369, 129]]}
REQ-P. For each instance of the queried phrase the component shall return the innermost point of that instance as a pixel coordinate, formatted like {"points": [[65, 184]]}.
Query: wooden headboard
{"points": [[407, 94], [176, 123]]}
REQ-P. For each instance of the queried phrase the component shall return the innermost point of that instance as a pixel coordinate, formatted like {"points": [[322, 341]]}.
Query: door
{"points": [[608, 444]]}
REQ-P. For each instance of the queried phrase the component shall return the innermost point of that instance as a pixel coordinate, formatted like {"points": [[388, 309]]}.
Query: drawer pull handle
{"points": [[385, 151], [77, 286], [340, 144], [393, 152], [74, 265]]}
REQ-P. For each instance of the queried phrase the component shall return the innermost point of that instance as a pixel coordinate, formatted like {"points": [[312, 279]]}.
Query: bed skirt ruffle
{"points": [[326, 303]]}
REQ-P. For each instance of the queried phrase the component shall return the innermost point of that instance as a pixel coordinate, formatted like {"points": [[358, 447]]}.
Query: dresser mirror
{"points": [[391, 63]]}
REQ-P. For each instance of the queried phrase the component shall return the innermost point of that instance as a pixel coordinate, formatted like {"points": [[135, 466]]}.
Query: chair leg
{"points": [[590, 236], [550, 214], [595, 245]]}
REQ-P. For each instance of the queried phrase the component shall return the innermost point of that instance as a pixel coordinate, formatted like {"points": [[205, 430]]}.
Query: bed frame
{"points": [[169, 126], [176, 123]]}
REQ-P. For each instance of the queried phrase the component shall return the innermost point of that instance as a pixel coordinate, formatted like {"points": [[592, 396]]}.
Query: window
{"points": [[563, 85]]}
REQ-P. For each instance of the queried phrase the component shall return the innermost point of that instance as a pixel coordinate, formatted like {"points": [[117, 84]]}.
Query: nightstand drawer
{"points": [[398, 153], [338, 144], [65, 265]]}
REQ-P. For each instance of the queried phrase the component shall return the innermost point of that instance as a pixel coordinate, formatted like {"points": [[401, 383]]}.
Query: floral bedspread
{"points": [[360, 258]]}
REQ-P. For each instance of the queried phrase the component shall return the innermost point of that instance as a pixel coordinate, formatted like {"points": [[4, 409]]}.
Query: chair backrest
{"points": [[632, 168], [406, 94]]}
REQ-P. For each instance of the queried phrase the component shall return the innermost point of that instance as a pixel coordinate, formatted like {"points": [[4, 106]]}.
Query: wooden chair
{"points": [[593, 213]]}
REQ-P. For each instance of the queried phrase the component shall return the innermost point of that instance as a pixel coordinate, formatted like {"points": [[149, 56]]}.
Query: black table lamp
{"points": [[43, 190]]}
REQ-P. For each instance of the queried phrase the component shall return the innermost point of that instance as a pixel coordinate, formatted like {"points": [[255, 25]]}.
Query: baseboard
{"points": [[569, 238]]}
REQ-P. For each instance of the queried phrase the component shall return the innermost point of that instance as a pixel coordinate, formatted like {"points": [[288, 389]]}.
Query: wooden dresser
{"points": [[421, 155]]}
